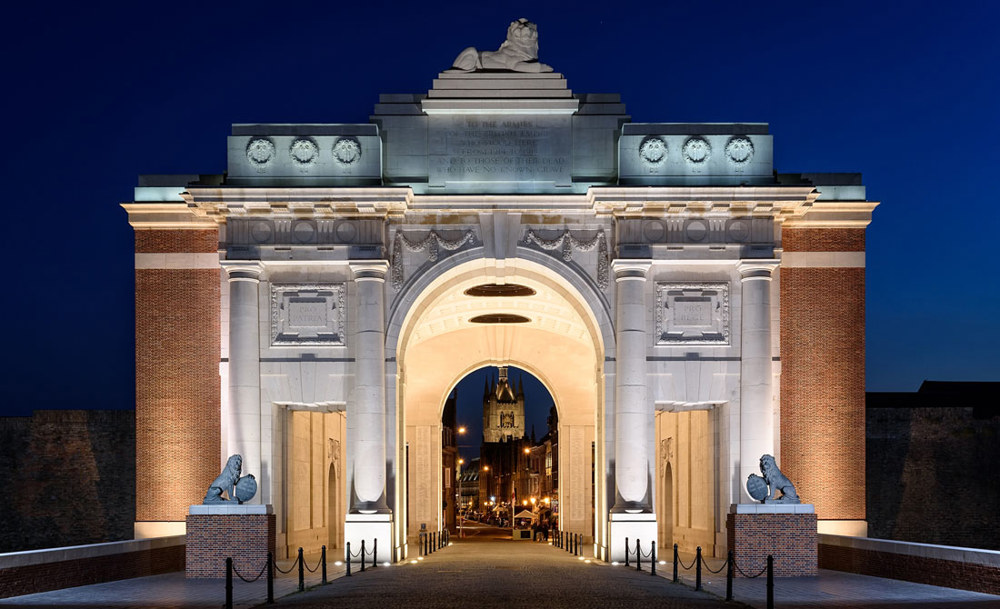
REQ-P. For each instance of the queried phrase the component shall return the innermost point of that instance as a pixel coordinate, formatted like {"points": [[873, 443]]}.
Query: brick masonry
{"points": [[789, 538], [211, 538], [72, 478], [30, 579], [177, 376], [924, 570], [823, 375]]}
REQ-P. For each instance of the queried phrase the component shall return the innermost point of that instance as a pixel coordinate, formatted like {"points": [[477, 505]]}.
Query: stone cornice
{"points": [[159, 215], [834, 214], [702, 200], [220, 203]]}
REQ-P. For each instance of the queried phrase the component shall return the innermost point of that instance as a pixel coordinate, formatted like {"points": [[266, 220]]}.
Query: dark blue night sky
{"points": [[905, 93]]}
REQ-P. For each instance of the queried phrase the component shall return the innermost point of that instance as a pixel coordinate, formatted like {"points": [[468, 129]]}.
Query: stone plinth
{"points": [[787, 532], [370, 528], [215, 532], [630, 527]]}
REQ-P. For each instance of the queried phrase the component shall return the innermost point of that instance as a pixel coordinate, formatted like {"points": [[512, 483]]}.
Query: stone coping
{"points": [[987, 558], [12, 560], [772, 508], [230, 508]]}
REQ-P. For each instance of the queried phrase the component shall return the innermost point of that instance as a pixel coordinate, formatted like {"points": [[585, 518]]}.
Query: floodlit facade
{"points": [[688, 308]]}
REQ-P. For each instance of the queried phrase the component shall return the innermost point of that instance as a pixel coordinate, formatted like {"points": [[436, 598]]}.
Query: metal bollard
{"points": [[626, 552], [362, 555], [675, 563], [348, 559], [322, 561], [433, 541], [638, 556], [229, 583], [729, 576], [770, 582], [652, 570], [302, 572], [270, 578], [697, 571], [375, 553]]}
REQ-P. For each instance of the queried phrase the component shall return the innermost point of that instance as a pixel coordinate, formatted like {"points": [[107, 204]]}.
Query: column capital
{"points": [[243, 270], [374, 270], [627, 268], [757, 269]]}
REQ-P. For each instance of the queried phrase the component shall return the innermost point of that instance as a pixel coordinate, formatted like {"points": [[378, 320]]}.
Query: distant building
{"points": [[930, 464]]}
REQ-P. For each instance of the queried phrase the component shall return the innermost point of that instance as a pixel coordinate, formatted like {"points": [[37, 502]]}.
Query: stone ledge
{"points": [[50, 555], [230, 508], [772, 508]]}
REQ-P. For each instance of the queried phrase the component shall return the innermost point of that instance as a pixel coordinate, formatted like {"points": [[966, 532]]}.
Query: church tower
{"points": [[503, 410]]}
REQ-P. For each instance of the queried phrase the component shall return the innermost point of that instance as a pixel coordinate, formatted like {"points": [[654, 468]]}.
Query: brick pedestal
{"points": [[786, 532], [215, 532]]}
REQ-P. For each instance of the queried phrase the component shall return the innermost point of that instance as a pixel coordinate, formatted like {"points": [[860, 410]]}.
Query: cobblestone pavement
{"points": [[497, 573]]}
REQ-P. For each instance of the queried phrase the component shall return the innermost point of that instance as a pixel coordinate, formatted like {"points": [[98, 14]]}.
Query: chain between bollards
{"points": [[675, 563], [697, 571], [270, 578]]}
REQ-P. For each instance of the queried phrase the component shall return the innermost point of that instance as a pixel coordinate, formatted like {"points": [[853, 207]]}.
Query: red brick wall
{"points": [[30, 579], [211, 538], [177, 354], [937, 572], [789, 538], [823, 375]]}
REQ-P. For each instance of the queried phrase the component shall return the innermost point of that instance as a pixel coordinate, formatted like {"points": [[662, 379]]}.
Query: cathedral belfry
{"points": [[503, 410]]}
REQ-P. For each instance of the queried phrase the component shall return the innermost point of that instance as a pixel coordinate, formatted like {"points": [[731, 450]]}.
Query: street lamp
{"points": [[458, 494]]}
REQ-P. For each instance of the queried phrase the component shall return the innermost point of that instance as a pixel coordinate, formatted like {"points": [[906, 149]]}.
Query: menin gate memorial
{"points": [[690, 309]]}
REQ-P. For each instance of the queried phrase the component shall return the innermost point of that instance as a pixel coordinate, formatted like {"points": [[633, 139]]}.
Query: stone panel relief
{"points": [[739, 151], [696, 150], [260, 152], [298, 231], [567, 243], [304, 152], [433, 243], [653, 150], [347, 150], [308, 314], [695, 230], [692, 313]]}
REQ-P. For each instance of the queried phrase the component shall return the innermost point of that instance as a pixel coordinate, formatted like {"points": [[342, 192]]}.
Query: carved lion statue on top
{"points": [[519, 53], [238, 488], [766, 489]]}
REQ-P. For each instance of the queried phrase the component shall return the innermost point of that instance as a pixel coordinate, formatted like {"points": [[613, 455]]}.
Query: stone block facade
{"points": [[211, 538], [789, 538], [177, 341]]}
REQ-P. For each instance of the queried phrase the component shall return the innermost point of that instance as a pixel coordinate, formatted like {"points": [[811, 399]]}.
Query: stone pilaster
{"points": [[366, 406], [756, 379], [244, 424]]}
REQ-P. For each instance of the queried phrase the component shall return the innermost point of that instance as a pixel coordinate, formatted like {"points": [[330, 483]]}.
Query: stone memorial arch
{"points": [[688, 307]]}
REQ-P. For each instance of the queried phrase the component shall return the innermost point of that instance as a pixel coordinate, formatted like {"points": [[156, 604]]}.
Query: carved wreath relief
{"points": [[739, 151], [692, 313], [308, 314], [697, 150], [260, 152], [304, 152], [566, 242], [653, 150], [433, 243], [347, 150]]}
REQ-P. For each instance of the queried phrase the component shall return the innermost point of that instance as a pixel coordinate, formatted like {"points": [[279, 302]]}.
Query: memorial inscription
{"points": [[500, 148]]}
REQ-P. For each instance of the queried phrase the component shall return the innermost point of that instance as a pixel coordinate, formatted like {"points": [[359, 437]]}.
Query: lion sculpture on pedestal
{"points": [[519, 53], [766, 489], [239, 489]]}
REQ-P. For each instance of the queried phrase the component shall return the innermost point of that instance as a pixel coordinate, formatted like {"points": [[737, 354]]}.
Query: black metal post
{"points": [[697, 572], [229, 583], [652, 569], [770, 581], [323, 562], [638, 556], [375, 553], [626, 552], [579, 544], [348, 559], [729, 576], [362, 555], [675, 563], [302, 572], [270, 578]]}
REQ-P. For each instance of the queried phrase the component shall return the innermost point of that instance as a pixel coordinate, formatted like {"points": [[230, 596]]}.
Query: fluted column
{"points": [[366, 407], [633, 412], [244, 432], [756, 379]]}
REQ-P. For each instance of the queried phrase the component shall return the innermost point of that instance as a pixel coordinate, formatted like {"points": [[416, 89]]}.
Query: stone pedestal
{"points": [[786, 532], [370, 527], [216, 532], [631, 527]]}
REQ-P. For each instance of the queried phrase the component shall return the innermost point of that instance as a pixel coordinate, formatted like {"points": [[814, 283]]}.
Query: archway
{"points": [[560, 338]]}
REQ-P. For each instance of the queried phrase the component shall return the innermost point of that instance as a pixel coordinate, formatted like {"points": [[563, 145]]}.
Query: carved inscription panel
{"points": [[307, 314], [692, 313], [496, 148]]}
